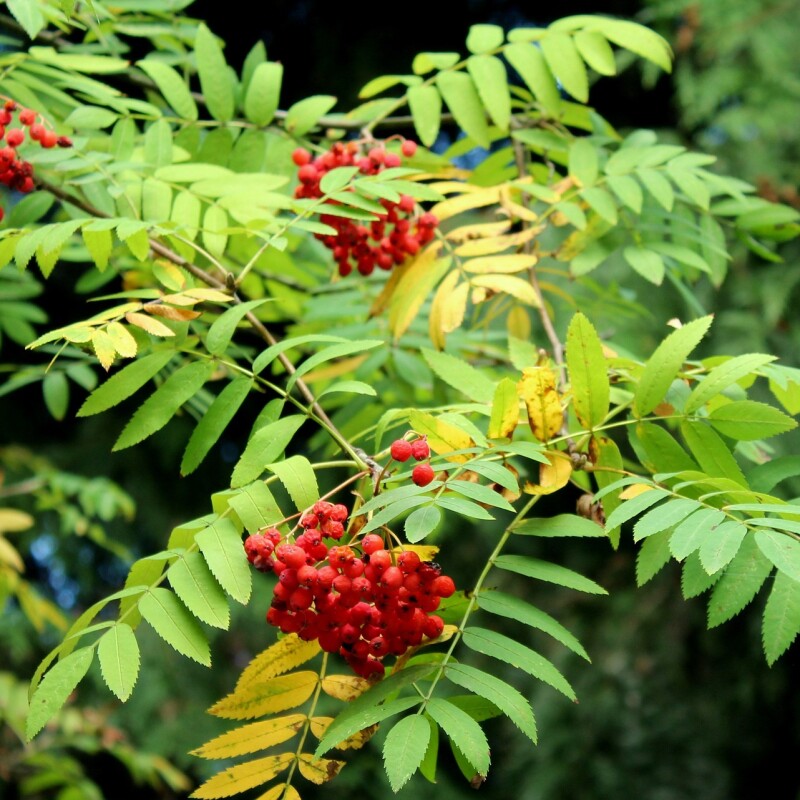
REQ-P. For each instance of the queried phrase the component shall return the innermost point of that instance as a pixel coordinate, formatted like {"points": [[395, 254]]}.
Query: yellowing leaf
{"points": [[10, 556], [251, 738], [385, 296], [347, 366], [209, 295], [505, 410], [122, 340], [426, 552], [435, 319], [285, 654], [104, 348], [12, 520], [355, 742], [508, 284], [518, 323], [634, 490], [500, 264], [478, 231], [168, 275], [538, 391], [168, 312], [415, 285], [320, 770], [443, 437], [243, 777], [465, 202], [284, 791], [344, 687], [149, 324], [496, 244], [552, 476], [454, 308], [267, 697]]}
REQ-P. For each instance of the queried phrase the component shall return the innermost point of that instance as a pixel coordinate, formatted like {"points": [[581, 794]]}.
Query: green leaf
{"points": [[527, 59], [461, 96], [562, 57], [633, 507], [511, 702], [764, 477], [483, 494], [463, 732], [221, 546], [263, 93], [719, 549], [172, 87], [174, 624], [739, 584], [92, 117], [781, 617], [511, 652], [421, 523], [30, 17], [482, 38], [637, 39], [627, 190], [653, 556], [560, 525], [297, 476], [746, 420], [711, 452], [466, 508], [551, 573], [56, 686], [55, 389], [601, 202], [468, 380], [506, 605], [221, 331], [164, 403], [596, 52], [665, 364], [349, 387], [425, 104], [99, 245], [587, 370], [158, 152], [271, 353], [199, 591], [404, 748], [583, 162], [663, 517], [723, 376], [265, 447], [782, 550], [125, 383], [118, 652], [256, 507], [647, 263], [329, 353], [304, 115], [490, 79], [690, 534], [215, 81], [658, 186]]}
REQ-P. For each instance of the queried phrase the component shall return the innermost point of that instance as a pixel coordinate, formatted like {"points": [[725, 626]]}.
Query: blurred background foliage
{"points": [[668, 711]]}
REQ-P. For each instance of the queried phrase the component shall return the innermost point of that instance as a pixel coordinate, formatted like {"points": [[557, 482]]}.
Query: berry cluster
{"points": [[359, 600], [15, 172], [387, 241], [402, 450]]}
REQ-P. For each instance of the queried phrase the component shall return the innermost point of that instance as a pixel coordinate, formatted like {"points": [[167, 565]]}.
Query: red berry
{"points": [[422, 474], [36, 131], [443, 586], [401, 450], [408, 148], [27, 116], [420, 450], [301, 157], [49, 139], [64, 141], [371, 543], [15, 137], [308, 174]]}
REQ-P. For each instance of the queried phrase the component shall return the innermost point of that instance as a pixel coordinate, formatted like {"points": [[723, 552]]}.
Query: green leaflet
{"points": [[653, 556], [459, 92], [490, 79], [647, 263], [711, 452], [215, 79], [426, 109], [665, 364], [395, 509], [256, 507], [297, 476], [505, 649], [482, 494], [172, 87], [583, 162], [404, 748], [560, 525], [221, 546], [468, 380], [694, 579], [265, 447], [562, 57], [602, 203], [421, 523], [690, 534], [482, 38], [28, 14], [55, 390], [747, 420], [466, 508], [511, 702], [528, 60], [304, 115], [635, 506], [627, 190], [118, 652], [164, 403], [56, 686], [199, 591], [663, 517], [596, 51], [221, 331], [605, 453], [781, 617], [328, 354], [781, 549], [551, 573], [267, 356], [506, 605], [463, 732], [174, 624], [720, 547], [263, 93], [214, 422], [587, 370], [739, 584], [764, 477], [658, 187]]}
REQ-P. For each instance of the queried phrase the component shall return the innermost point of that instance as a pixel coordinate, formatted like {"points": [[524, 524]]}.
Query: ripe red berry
{"points": [[49, 139], [371, 543], [15, 137], [27, 116], [401, 450], [308, 173], [408, 148], [420, 449], [36, 131], [301, 157], [422, 474]]}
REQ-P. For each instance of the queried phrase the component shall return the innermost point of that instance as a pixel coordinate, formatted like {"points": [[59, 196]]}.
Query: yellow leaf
{"points": [[538, 391], [181, 299], [122, 340], [104, 348], [426, 552], [168, 312], [385, 296], [267, 697], [320, 771], [116, 311], [465, 202], [243, 777], [10, 556], [480, 230], [454, 187], [443, 437], [12, 520], [634, 490], [455, 307], [355, 742], [508, 284], [149, 324], [344, 367], [552, 476], [344, 687], [497, 244], [505, 410], [514, 209], [168, 275], [445, 290], [252, 737], [284, 791], [518, 323], [209, 295], [500, 264], [287, 653]]}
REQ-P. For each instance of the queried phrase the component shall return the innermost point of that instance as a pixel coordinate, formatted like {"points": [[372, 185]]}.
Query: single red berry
{"points": [[49, 139], [420, 450], [408, 148], [401, 450], [10, 105], [27, 116], [2, 213], [371, 543], [301, 157], [15, 137], [36, 131], [392, 160], [422, 474], [443, 586], [308, 173], [64, 141]]}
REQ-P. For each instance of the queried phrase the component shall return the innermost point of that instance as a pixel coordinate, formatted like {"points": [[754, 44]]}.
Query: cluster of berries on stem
{"points": [[418, 449], [360, 600], [388, 241], [15, 172]]}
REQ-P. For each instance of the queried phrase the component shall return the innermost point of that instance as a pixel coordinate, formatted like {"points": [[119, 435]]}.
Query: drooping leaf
{"points": [[257, 698], [252, 737], [462, 98], [663, 517], [404, 748], [286, 654], [421, 523], [265, 447], [118, 652], [551, 573], [781, 617], [221, 546], [174, 624], [263, 93], [720, 547], [297, 476], [215, 79], [464, 733], [199, 591], [689, 535], [782, 550], [243, 777]]}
